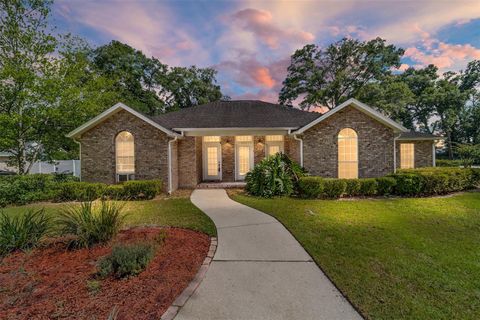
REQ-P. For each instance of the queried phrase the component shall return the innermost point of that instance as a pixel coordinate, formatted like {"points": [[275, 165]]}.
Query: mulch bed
{"points": [[56, 283]]}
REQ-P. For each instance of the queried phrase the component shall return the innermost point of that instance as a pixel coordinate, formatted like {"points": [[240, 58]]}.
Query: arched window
{"points": [[347, 154], [125, 156]]}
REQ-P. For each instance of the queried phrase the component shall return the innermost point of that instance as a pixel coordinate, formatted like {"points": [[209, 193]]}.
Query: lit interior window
{"points": [[244, 138], [125, 153], [407, 158], [274, 138], [243, 160], [212, 161], [347, 154], [211, 139]]}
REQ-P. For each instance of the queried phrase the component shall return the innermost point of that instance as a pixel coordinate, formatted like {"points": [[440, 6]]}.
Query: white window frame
{"points": [[128, 175], [345, 161], [412, 164], [273, 142], [239, 144]]}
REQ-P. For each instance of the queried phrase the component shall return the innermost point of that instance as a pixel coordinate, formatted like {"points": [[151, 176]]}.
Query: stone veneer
{"points": [[423, 152], [375, 145], [98, 149]]}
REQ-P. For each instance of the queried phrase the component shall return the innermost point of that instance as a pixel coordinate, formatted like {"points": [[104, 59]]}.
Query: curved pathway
{"points": [[259, 270]]}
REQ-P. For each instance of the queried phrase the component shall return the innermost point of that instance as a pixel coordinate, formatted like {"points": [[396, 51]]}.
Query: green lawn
{"points": [[394, 259], [164, 211]]}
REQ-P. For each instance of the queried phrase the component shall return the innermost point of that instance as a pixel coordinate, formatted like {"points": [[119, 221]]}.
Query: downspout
{"points": [[170, 173], [301, 145], [79, 158], [395, 152], [434, 160]]}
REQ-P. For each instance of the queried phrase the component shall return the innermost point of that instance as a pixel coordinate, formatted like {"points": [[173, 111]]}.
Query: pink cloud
{"points": [[403, 67], [260, 23], [145, 26], [247, 71], [263, 77], [444, 55]]}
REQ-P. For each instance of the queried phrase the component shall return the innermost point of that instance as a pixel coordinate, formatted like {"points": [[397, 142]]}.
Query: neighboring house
{"points": [[222, 141]]}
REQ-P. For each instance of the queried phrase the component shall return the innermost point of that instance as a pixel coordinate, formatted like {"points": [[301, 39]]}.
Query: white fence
{"points": [[58, 166]]}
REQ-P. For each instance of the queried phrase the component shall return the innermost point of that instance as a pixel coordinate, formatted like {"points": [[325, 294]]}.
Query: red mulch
{"points": [[51, 283]]}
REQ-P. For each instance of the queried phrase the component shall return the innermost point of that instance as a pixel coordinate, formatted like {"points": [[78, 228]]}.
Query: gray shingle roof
{"points": [[237, 114], [418, 136]]}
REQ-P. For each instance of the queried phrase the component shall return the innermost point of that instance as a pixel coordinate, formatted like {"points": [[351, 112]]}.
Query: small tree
{"points": [[468, 153]]}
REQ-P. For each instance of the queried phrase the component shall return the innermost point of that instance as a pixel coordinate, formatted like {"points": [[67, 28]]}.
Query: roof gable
{"points": [[111, 111], [361, 107]]}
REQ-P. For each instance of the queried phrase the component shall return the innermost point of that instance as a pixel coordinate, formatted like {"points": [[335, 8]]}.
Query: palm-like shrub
{"points": [[22, 232], [89, 224], [276, 175]]}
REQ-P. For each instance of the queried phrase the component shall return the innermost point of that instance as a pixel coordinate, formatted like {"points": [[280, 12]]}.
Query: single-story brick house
{"points": [[222, 141]]}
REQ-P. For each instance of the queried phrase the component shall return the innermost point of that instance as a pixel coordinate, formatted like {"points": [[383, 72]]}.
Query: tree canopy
{"points": [[330, 76], [51, 83], [150, 85], [419, 98]]}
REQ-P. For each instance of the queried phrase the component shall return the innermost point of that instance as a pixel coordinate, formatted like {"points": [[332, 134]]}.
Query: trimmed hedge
{"points": [[448, 163], [23, 189], [412, 182], [20, 190]]}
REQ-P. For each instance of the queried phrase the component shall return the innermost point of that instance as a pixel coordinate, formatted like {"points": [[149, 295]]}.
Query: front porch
{"points": [[210, 161], [221, 185]]}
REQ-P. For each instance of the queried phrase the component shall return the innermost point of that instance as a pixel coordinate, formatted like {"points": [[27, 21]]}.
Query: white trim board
{"points": [[359, 106], [111, 111]]}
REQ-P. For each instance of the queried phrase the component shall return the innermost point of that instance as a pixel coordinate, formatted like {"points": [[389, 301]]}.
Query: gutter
{"points": [[395, 152], [301, 146], [170, 173]]}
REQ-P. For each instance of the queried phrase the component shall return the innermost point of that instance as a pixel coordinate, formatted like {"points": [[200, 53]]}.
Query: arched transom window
{"points": [[347, 154], [125, 155]]}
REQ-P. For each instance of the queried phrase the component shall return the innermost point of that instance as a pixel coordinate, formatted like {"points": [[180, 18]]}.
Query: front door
{"points": [[212, 161], [244, 157]]}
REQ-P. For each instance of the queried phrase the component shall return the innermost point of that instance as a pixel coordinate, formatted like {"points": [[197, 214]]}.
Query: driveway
{"points": [[259, 270]]}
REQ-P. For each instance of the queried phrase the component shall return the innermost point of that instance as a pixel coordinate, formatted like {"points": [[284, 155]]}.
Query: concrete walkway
{"points": [[259, 270]]}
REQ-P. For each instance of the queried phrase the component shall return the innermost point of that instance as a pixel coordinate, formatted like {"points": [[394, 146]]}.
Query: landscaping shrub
{"points": [[368, 187], [114, 192], [23, 189], [385, 185], [448, 163], [89, 224], [276, 175], [352, 187], [333, 188], [408, 184], [310, 187], [22, 232], [431, 181], [79, 191], [141, 189], [126, 260]]}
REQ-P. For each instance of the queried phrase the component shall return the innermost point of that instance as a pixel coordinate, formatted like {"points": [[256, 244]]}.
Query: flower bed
{"points": [[55, 282]]}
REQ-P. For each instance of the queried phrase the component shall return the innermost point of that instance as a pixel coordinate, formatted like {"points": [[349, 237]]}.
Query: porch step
{"points": [[221, 185]]}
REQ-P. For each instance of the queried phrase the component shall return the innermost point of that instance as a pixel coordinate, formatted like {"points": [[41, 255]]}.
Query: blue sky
{"points": [[249, 42]]}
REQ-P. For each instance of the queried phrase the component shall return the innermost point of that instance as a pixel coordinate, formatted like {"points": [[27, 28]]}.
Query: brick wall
{"points": [[292, 148], [375, 145], [228, 158], [98, 149], [258, 149], [188, 158], [423, 153]]}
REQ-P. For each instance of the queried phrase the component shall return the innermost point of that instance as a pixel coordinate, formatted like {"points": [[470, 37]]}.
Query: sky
{"points": [[249, 43]]}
